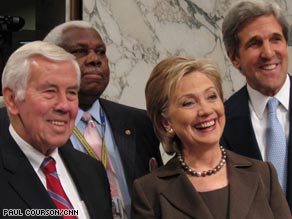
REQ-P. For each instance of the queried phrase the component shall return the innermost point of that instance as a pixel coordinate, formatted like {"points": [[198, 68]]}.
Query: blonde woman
{"points": [[203, 180]]}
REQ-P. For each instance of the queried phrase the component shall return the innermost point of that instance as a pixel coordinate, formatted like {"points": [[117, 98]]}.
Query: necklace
{"points": [[203, 173]]}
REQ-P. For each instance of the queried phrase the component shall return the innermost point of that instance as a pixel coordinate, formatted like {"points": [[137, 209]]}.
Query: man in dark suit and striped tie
{"points": [[40, 175]]}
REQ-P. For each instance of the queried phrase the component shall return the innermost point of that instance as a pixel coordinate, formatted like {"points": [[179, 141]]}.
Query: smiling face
{"points": [[196, 112], [45, 118], [263, 55]]}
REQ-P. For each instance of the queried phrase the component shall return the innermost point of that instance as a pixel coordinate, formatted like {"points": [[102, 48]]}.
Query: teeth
{"points": [[206, 124], [269, 67], [58, 123]]}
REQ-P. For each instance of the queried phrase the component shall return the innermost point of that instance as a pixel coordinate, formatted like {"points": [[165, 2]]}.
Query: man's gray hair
{"points": [[56, 34], [17, 70], [242, 13]]}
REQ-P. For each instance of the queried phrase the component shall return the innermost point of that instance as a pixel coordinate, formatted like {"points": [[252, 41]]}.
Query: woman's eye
{"points": [[187, 103], [212, 97]]}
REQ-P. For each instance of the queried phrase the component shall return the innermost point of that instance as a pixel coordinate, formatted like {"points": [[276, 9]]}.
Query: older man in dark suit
{"points": [[38, 175]]}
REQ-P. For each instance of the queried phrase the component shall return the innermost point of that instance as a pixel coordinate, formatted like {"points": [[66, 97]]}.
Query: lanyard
{"points": [[87, 147]]}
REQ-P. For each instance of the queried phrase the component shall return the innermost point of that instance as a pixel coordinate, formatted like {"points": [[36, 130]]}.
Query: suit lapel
{"points": [[187, 200], [238, 119], [243, 185], [23, 178], [289, 177], [125, 142]]}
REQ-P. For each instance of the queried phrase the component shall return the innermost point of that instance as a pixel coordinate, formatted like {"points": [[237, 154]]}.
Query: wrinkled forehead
{"points": [[88, 37]]}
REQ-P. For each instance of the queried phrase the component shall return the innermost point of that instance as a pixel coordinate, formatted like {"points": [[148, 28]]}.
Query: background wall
{"points": [[140, 33]]}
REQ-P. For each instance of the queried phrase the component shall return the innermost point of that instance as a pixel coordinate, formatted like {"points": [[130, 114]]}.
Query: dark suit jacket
{"points": [[135, 148], [4, 122], [254, 192], [239, 134], [21, 188]]}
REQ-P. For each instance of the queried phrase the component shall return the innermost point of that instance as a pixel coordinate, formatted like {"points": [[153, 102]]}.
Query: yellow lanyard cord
{"points": [[89, 149]]}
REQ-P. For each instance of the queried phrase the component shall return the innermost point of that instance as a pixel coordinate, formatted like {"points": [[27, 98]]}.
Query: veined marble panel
{"points": [[140, 33]]}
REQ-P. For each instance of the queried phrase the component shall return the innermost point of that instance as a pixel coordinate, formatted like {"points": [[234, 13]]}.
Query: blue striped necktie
{"points": [[54, 186], [276, 143]]}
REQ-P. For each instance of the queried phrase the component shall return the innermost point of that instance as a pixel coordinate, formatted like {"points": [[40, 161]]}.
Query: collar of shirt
{"points": [[33, 155], [94, 112], [36, 158], [259, 101]]}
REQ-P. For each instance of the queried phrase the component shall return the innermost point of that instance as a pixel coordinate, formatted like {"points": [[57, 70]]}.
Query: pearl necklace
{"points": [[203, 173]]}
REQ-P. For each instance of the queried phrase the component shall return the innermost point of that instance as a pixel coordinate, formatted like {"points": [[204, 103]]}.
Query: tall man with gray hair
{"points": [[258, 116]]}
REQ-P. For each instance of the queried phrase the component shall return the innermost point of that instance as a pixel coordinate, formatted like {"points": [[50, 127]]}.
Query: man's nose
{"points": [[62, 102], [93, 58], [267, 50]]}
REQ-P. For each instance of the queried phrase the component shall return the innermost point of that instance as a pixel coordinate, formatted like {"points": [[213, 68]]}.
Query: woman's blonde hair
{"points": [[161, 85]]}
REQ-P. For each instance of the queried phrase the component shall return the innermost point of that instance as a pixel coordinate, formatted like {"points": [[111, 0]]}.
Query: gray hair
{"points": [[56, 34], [17, 70], [242, 13]]}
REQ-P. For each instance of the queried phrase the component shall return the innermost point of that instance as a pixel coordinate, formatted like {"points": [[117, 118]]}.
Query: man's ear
{"points": [[10, 100], [234, 59]]}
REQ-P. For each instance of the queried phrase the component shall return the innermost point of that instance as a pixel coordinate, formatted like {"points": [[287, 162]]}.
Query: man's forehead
{"points": [[82, 37], [88, 44], [79, 32]]}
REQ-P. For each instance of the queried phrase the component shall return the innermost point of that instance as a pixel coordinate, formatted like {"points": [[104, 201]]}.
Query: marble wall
{"points": [[140, 33]]}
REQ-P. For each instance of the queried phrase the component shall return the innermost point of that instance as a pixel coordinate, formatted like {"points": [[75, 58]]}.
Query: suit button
{"points": [[128, 132]]}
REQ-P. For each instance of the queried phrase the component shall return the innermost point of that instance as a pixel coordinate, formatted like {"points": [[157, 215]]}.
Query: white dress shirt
{"points": [[36, 158], [258, 113]]}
